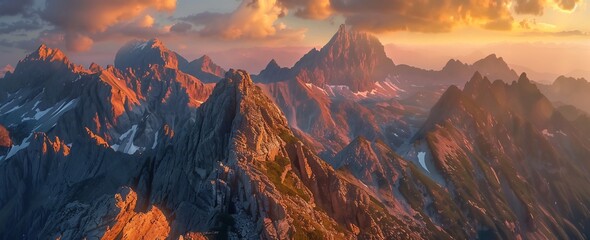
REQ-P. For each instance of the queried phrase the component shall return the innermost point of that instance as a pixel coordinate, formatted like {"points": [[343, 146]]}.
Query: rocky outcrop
{"points": [[5, 141], [140, 54], [492, 140], [111, 217], [351, 58], [126, 108], [205, 70]]}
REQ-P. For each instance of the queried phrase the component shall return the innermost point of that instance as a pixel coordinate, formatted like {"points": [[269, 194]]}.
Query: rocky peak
{"points": [[358, 153], [205, 69], [5, 140], [45, 57], [453, 64], [352, 58], [95, 68], [526, 86], [44, 53], [495, 67], [477, 84], [138, 54], [273, 65], [273, 73]]}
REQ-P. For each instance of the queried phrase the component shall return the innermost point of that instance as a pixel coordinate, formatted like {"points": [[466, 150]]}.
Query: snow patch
{"points": [[155, 141], [128, 146], [16, 148], [421, 159], [547, 133]]}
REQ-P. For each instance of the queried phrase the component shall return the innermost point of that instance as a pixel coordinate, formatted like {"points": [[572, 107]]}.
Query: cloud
{"points": [[14, 7], [312, 9], [81, 19], [424, 15], [253, 19], [181, 27], [146, 21], [19, 26], [534, 7], [567, 5], [78, 42], [5, 69]]}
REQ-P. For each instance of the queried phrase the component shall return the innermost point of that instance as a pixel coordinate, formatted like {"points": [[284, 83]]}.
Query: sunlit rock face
{"points": [[351, 58]]}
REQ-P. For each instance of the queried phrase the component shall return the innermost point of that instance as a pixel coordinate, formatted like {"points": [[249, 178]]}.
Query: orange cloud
{"points": [[7, 68], [253, 19], [424, 15], [86, 17], [534, 7], [312, 9], [567, 5]]}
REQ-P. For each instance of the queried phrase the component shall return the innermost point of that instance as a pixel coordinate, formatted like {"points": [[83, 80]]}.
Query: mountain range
{"points": [[343, 145]]}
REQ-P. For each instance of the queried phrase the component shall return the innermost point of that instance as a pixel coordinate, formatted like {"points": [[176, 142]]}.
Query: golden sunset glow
{"points": [[88, 28]]}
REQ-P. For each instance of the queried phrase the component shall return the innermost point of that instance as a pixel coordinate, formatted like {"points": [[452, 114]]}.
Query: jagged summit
{"points": [[94, 67], [273, 64], [523, 78], [205, 69], [45, 53], [141, 54], [351, 58]]}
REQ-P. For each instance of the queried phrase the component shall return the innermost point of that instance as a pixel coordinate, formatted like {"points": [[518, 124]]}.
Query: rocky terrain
{"points": [[343, 145]]}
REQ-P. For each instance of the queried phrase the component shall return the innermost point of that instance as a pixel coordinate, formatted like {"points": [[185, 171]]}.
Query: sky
{"points": [[543, 37]]}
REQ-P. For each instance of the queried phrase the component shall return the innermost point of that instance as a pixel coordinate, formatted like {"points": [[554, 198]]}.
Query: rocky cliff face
{"points": [[343, 91], [238, 171], [351, 59], [240, 147], [492, 140], [128, 108], [5, 141]]}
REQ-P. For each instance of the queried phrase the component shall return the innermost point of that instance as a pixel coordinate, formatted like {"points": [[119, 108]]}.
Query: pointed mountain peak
{"points": [[45, 53], [451, 97], [345, 36], [142, 54], [238, 78], [360, 140], [477, 85], [95, 67], [205, 58], [155, 42], [492, 60], [273, 65], [205, 69], [477, 76], [523, 79], [341, 30], [453, 65], [492, 57], [339, 60]]}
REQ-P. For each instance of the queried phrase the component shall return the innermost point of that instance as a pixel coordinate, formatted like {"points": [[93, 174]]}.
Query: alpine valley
{"points": [[345, 144]]}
